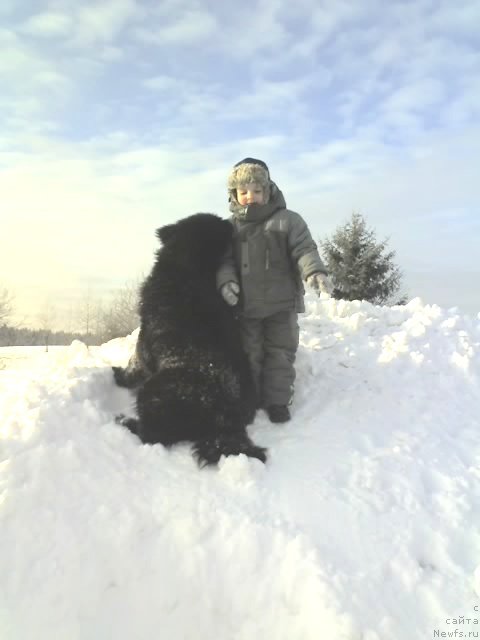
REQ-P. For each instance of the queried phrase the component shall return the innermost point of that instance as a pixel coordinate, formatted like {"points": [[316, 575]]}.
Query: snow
{"points": [[363, 525]]}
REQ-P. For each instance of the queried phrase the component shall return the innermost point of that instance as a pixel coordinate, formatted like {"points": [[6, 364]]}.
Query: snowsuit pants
{"points": [[271, 345]]}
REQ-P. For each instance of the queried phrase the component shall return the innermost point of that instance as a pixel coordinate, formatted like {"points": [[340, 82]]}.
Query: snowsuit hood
{"points": [[249, 171]]}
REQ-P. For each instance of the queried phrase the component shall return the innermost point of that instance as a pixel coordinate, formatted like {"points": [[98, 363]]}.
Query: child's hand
{"points": [[230, 292], [320, 283]]}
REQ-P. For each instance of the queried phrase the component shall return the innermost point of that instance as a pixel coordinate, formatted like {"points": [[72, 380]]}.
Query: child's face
{"points": [[250, 194]]}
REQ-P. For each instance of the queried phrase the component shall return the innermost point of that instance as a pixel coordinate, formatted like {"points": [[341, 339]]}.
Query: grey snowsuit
{"points": [[272, 252]]}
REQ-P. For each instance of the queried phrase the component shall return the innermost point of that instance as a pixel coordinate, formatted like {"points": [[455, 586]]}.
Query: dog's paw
{"points": [[130, 423], [119, 376]]}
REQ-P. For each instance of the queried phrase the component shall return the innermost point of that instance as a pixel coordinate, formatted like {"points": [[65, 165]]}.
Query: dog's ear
{"points": [[166, 233]]}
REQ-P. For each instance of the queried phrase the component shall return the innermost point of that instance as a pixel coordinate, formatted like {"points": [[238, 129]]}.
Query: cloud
{"points": [[105, 22], [48, 25], [7, 7], [415, 97], [461, 19], [163, 83], [192, 27], [83, 24], [33, 87]]}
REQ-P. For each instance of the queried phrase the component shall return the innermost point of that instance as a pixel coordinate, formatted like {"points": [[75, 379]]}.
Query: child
{"points": [[272, 251]]}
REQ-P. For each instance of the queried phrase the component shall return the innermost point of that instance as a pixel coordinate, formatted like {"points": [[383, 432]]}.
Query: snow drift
{"points": [[363, 525]]}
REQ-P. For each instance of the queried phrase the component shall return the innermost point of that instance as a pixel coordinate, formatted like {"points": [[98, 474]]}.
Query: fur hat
{"points": [[247, 171]]}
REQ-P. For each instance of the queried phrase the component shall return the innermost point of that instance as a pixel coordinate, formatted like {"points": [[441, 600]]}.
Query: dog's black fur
{"points": [[191, 376]]}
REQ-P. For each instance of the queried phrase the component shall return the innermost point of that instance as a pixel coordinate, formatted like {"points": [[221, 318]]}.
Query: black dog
{"points": [[191, 376]]}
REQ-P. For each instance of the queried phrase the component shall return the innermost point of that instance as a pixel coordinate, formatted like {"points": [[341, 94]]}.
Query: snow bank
{"points": [[362, 525]]}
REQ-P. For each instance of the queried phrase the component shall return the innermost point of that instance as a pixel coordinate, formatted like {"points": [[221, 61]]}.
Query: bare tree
{"points": [[89, 316], [46, 318], [6, 305], [84, 318], [120, 316]]}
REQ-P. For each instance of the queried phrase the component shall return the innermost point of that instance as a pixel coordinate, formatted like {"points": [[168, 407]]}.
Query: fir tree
{"points": [[361, 268]]}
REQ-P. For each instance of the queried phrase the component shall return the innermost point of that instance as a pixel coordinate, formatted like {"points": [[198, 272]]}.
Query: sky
{"points": [[362, 525], [120, 116]]}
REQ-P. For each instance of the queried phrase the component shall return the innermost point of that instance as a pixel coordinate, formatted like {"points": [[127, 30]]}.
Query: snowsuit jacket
{"points": [[272, 252]]}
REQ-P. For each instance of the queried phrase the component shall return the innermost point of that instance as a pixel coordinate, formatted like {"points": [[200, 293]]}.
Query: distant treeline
{"points": [[23, 337]]}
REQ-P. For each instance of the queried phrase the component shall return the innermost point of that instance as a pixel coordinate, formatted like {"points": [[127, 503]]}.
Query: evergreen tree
{"points": [[361, 268]]}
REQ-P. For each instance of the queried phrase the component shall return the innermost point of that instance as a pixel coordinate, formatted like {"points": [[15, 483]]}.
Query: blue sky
{"points": [[120, 116]]}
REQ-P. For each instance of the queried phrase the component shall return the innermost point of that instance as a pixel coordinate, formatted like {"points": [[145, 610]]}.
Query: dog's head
{"points": [[202, 238]]}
